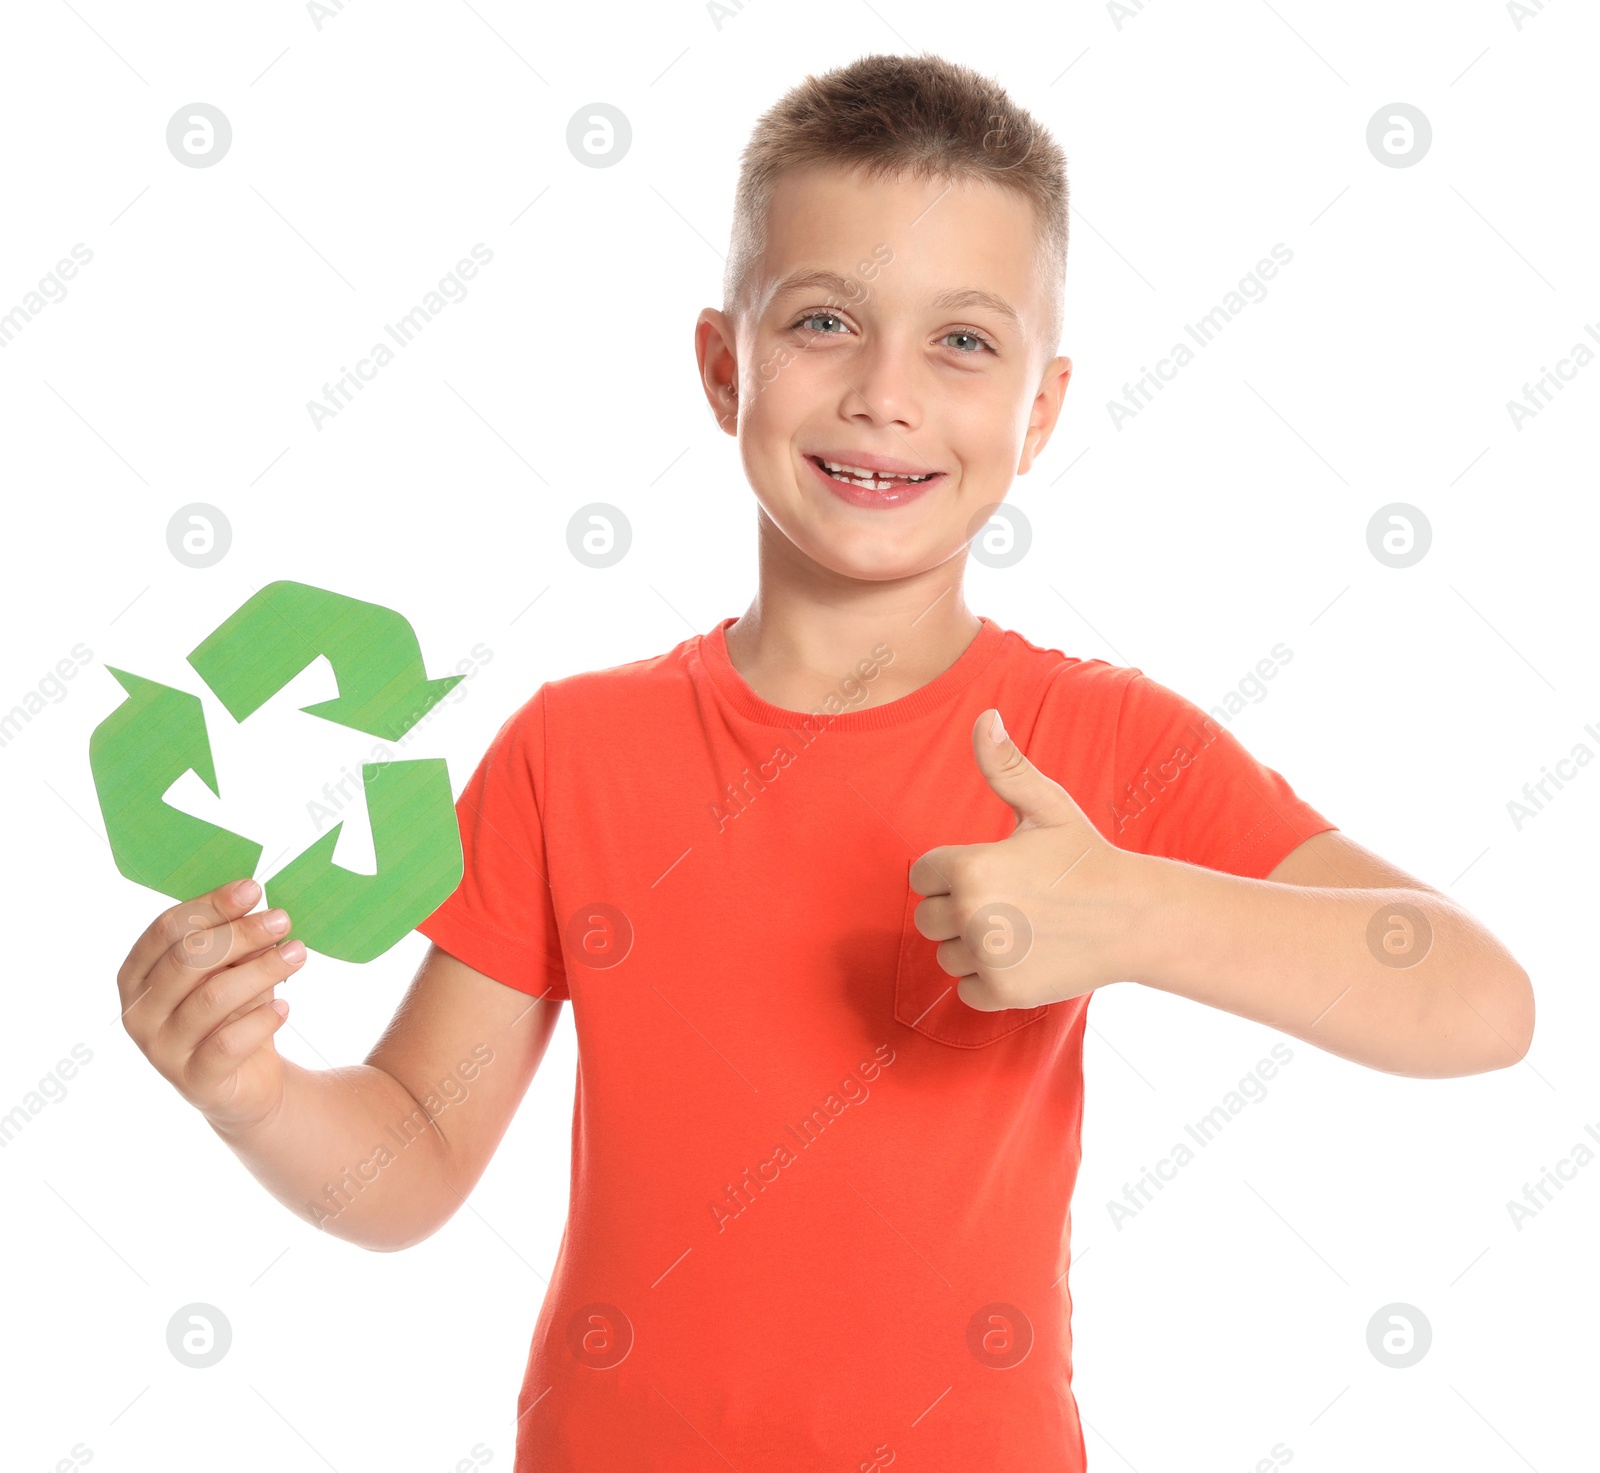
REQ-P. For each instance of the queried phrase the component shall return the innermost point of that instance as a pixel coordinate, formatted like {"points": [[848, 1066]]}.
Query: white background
{"points": [[368, 156]]}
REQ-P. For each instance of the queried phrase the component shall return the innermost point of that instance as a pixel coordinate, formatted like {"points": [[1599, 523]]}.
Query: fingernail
{"points": [[280, 1007], [293, 951], [997, 731], [276, 921], [247, 892]]}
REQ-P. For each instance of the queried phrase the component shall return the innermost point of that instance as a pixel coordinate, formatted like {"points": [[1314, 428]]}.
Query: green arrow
{"points": [[278, 631], [417, 842], [136, 754]]}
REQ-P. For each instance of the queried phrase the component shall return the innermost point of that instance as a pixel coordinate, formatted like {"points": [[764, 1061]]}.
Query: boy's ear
{"points": [[714, 349], [1046, 411]]}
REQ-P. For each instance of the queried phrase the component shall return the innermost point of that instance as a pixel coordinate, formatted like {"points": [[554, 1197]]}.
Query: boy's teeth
{"points": [[877, 479]]}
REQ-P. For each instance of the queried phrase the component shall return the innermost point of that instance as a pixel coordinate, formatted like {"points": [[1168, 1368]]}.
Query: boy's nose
{"points": [[881, 388]]}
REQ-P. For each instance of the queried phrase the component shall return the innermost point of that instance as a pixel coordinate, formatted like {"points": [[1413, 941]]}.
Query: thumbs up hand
{"points": [[1051, 911]]}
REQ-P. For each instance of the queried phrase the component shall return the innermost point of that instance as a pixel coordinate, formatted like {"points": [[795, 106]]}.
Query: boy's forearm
{"points": [[1308, 960], [350, 1151]]}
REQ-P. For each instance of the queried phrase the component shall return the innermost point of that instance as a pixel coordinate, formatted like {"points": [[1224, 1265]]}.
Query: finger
{"points": [[933, 873], [209, 1005], [1036, 800], [225, 903], [223, 1051], [978, 995], [252, 1002], [936, 918], [956, 958], [201, 952]]}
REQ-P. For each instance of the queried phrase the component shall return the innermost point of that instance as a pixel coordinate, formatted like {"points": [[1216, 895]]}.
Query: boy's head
{"points": [[892, 302]]}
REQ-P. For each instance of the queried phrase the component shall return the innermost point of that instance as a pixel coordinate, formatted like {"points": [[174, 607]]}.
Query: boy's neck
{"points": [[807, 628]]}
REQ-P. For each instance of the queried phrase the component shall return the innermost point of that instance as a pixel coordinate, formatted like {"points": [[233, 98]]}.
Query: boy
{"points": [[829, 936]]}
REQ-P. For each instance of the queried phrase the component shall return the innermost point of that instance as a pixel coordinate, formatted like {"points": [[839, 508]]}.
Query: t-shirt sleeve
{"points": [[500, 919], [1184, 787]]}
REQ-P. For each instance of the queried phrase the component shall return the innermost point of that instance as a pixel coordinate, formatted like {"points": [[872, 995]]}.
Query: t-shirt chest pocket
{"points": [[926, 1000]]}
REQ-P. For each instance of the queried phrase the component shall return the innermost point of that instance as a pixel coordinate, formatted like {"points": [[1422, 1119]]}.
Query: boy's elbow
{"points": [[401, 1246], [1513, 1022], [1476, 1029], [1522, 1040], [383, 1233], [389, 1244]]}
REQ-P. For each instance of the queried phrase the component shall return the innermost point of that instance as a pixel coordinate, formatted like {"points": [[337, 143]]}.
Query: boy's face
{"points": [[895, 366]]}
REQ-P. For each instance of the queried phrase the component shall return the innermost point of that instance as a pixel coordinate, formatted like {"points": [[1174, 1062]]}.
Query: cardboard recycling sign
{"points": [[159, 733]]}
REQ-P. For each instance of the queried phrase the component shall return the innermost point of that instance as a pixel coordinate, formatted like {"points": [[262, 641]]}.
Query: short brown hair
{"points": [[895, 116]]}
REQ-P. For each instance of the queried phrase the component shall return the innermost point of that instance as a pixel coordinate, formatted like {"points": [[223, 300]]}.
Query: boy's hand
{"points": [[197, 999], [1050, 912]]}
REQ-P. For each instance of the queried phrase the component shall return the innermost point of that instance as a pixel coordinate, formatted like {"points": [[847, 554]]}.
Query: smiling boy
{"points": [[828, 934]]}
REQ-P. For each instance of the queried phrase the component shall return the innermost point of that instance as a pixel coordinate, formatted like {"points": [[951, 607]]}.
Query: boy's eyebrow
{"points": [[806, 279], [971, 297]]}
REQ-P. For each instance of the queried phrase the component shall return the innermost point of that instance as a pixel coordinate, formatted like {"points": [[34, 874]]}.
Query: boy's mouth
{"points": [[868, 479]]}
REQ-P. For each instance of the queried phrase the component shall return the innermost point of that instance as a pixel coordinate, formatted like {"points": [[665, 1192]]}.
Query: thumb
{"points": [[1037, 801]]}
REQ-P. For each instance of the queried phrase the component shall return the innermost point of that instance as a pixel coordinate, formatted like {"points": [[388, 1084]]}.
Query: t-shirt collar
{"points": [[732, 689]]}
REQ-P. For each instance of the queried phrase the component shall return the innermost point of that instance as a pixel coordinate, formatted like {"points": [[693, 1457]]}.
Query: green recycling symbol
{"points": [[159, 733]]}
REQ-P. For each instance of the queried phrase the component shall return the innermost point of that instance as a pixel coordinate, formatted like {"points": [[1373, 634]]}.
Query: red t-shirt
{"points": [[819, 1211]]}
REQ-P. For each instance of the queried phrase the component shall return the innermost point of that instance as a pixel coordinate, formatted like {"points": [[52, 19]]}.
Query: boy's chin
{"points": [[882, 558], [890, 546]]}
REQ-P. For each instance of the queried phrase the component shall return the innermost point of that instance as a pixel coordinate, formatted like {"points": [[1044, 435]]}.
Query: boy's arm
{"points": [[383, 1153], [1340, 948], [1336, 947]]}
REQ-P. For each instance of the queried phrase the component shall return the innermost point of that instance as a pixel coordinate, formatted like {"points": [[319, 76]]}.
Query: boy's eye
{"points": [[971, 337], [969, 343], [812, 318]]}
